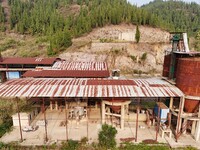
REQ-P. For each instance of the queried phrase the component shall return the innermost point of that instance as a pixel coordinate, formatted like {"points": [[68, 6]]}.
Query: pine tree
{"points": [[137, 34]]}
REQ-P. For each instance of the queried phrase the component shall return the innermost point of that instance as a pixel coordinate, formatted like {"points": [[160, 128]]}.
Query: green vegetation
{"points": [[8, 44], [50, 18], [137, 34], [58, 42], [131, 146], [197, 42], [7, 109], [143, 58], [134, 58], [106, 136], [75, 145], [179, 15]]}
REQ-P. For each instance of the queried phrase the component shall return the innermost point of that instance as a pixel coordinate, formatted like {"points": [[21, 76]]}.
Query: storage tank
{"points": [[166, 65], [188, 80]]}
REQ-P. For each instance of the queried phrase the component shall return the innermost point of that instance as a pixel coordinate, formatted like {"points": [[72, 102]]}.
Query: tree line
{"points": [[46, 17], [180, 15]]}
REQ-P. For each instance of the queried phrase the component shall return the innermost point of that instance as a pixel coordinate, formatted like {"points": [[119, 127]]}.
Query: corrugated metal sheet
{"points": [[67, 74], [40, 87], [90, 66], [32, 61]]}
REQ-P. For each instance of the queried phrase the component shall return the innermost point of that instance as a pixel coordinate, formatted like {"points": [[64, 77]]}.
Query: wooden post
{"points": [[45, 121], [20, 126], [171, 103], [197, 133], [51, 105], [122, 116], [103, 111], [136, 131], [66, 120], [179, 120], [87, 120], [158, 124]]}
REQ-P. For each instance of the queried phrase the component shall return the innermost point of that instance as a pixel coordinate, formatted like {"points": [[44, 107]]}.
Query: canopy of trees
{"points": [[180, 15], [46, 17]]}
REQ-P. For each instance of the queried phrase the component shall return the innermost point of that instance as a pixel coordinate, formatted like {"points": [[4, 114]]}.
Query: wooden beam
{"points": [[20, 126]]}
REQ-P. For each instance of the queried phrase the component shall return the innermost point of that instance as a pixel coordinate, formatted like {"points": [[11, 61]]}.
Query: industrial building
{"points": [[87, 90]]}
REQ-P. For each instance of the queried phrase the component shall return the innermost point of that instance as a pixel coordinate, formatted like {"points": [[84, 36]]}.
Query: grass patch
{"points": [[8, 44], [5, 127]]}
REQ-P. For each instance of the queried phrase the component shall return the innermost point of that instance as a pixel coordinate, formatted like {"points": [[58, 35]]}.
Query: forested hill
{"points": [[60, 19], [182, 16], [79, 16]]}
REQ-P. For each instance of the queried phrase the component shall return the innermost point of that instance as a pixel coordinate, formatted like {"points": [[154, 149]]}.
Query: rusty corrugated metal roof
{"points": [[105, 88], [64, 69], [67, 74], [32, 61], [90, 66]]}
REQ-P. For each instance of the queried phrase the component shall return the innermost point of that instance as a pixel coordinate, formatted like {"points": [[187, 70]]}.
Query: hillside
{"points": [[116, 45], [180, 15], [95, 30]]}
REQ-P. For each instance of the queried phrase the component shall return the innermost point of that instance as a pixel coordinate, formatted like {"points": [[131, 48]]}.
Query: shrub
{"points": [[5, 127], [133, 58], [70, 145], [106, 136]]}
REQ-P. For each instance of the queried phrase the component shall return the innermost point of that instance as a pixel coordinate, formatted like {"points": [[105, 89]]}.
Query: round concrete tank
{"points": [[188, 80]]}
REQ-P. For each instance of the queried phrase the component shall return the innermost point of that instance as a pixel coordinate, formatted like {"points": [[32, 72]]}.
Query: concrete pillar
{"points": [[122, 116], [51, 105], [193, 127], [56, 105], [197, 133], [103, 111]]}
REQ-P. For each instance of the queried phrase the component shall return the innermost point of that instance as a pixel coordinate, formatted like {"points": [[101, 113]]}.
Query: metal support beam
{"points": [[20, 126]]}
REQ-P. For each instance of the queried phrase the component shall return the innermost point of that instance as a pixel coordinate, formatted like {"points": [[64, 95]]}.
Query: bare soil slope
{"points": [[117, 46], [114, 44]]}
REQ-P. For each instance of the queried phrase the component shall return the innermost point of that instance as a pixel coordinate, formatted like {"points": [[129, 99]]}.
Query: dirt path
{"points": [[4, 4]]}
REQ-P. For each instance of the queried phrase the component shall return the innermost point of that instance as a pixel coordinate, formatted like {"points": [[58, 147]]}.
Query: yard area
{"points": [[56, 131]]}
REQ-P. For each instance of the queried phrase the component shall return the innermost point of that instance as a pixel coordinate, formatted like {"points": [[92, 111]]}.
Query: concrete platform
{"points": [[56, 131]]}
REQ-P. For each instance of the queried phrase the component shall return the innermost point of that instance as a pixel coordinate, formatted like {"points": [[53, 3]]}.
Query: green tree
{"points": [[197, 41], [137, 34], [107, 136], [143, 58]]}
